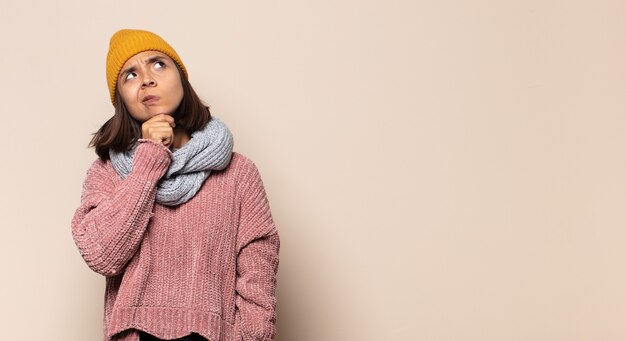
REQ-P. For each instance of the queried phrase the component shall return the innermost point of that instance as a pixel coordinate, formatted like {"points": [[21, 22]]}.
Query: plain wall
{"points": [[438, 170]]}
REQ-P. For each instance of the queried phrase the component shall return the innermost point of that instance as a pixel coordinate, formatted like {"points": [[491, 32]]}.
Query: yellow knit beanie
{"points": [[126, 43]]}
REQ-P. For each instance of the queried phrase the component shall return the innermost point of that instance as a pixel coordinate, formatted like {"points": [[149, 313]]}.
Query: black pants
{"points": [[193, 337]]}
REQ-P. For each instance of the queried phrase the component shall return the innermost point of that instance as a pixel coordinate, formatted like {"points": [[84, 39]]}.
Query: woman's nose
{"points": [[148, 81]]}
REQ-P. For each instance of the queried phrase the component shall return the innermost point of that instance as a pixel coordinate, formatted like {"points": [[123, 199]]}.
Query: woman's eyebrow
{"points": [[127, 71], [153, 59]]}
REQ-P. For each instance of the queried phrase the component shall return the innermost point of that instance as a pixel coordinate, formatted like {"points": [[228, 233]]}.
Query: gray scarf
{"points": [[208, 149]]}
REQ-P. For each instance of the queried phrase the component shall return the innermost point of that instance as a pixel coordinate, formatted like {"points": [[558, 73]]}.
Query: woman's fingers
{"points": [[159, 129]]}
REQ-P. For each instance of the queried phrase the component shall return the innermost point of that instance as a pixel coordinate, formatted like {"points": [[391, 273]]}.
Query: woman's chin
{"points": [[150, 113], [153, 113]]}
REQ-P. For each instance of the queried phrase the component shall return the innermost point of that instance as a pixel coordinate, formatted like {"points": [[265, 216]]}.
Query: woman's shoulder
{"points": [[99, 166], [242, 167], [241, 161]]}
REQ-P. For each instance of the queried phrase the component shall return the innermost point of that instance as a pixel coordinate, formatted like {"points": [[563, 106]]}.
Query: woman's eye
{"points": [[130, 76], [159, 64]]}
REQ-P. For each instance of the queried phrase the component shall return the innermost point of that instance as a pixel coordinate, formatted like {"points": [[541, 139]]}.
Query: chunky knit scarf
{"points": [[208, 149]]}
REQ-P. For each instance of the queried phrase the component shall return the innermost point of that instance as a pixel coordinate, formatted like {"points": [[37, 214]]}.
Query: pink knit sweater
{"points": [[206, 266]]}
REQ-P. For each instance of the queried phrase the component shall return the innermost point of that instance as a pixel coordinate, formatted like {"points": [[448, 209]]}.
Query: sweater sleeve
{"points": [[257, 264], [109, 224]]}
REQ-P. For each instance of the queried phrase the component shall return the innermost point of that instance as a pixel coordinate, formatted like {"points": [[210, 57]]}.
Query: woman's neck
{"points": [[180, 138]]}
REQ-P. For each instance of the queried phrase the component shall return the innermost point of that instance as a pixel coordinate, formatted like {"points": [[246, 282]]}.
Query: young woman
{"points": [[177, 223]]}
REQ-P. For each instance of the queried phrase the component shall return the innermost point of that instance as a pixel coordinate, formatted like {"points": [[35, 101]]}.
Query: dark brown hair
{"points": [[122, 130]]}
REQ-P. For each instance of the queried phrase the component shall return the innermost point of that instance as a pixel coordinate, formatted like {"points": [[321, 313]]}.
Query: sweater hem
{"points": [[169, 323]]}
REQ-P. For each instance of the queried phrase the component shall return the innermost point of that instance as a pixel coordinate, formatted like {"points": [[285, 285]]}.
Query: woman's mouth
{"points": [[149, 100]]}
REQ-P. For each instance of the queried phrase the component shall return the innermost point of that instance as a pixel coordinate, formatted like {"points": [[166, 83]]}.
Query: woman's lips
{"points": [[149, 100]]}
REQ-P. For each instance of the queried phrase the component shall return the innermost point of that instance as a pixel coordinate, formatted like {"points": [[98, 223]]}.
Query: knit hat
{"points": [[126, 43]]}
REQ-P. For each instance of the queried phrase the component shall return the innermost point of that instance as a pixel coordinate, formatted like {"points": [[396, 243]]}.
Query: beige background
{"points": [[438, 170]]}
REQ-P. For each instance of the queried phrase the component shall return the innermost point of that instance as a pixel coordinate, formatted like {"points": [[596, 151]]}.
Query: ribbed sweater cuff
{"points": [[151, 159]]}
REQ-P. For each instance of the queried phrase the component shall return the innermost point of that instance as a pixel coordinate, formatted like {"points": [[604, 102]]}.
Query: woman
{"points": [[177, 223]]}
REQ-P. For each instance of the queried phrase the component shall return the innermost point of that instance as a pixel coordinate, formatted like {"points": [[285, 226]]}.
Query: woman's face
{"points": [[149, 84]]}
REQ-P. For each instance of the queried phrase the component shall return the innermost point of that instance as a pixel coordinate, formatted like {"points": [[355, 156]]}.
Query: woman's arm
{"points": [[109, 224], [257, 264]]}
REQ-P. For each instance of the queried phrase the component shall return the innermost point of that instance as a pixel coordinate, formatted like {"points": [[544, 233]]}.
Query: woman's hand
{"points": [[159, 129]]}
